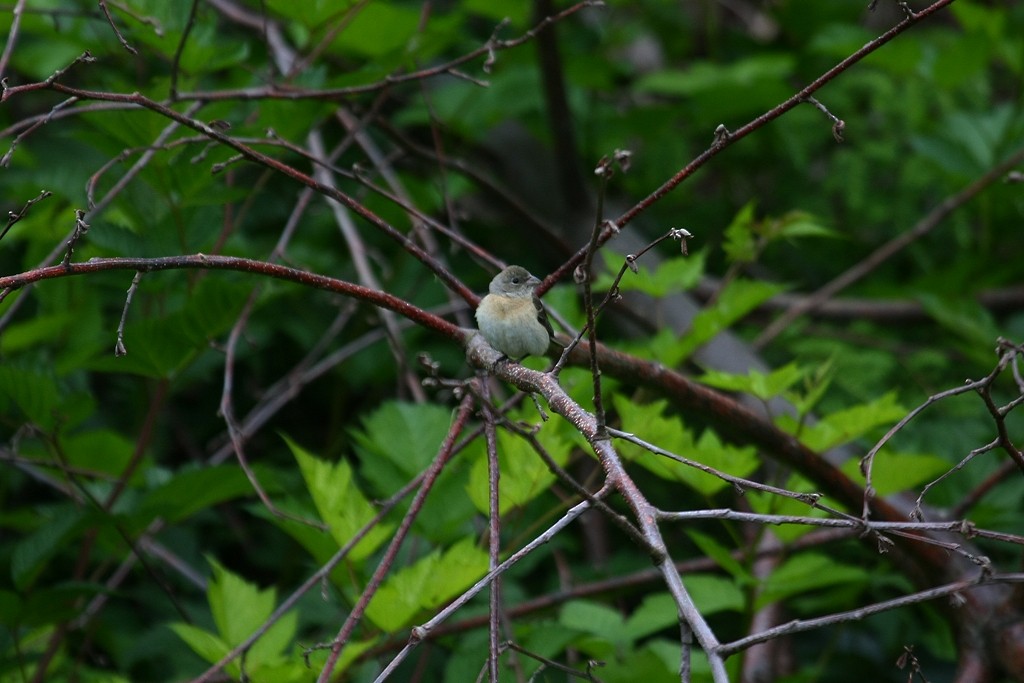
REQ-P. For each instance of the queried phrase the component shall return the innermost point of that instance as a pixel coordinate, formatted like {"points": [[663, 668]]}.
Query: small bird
{"points": [[511, 316]]}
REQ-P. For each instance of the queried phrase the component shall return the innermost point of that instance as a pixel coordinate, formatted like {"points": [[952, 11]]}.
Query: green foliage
{"points": [[893, 472], [239, 608], [672, 435], [846, 425], [736, 299], [427, 584], [339, 502], [119, 483], [761, 385], [670, 277], [810, 572], [524, 476]]}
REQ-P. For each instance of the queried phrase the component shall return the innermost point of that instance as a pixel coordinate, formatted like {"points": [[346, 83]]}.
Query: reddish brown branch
{"points": [[245, 265]]}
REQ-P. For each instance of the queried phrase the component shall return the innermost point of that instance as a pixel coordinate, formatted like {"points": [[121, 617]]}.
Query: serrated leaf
{"points": [[398, 441], [893, 472], [430, 582], [764, 386], [846, 425], [339, 501], [670, 434], [239, 608], [669, 277], [737, 299], [524, 476]]}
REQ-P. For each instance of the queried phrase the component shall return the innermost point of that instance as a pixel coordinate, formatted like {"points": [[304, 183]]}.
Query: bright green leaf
{"points": [[339, 501], [428, 583], [893, 472], [846, 425], [737, 299], [398, 441], [669, 277], [758, 384], [524, 476], [239, 608], [649, 424]]}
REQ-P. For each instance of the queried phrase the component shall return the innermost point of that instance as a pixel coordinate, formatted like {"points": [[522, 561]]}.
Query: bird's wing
{"points": [[542, 316]]}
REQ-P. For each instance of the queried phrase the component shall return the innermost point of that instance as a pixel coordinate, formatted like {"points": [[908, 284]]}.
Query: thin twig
{"points": [[119, 348]]}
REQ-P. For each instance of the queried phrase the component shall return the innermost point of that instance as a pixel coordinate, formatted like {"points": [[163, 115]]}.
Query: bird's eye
{"points": [[515, 281]]}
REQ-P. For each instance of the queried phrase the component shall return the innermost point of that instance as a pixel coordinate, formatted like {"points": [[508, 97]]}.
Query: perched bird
{"points": [[511, 316]]}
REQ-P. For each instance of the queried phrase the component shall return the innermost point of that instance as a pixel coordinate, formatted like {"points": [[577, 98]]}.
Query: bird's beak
{"points": [[533, 281]]}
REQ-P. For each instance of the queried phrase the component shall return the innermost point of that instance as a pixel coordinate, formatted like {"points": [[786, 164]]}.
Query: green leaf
{"points": [[711, 594], [806, 572], [893, 472], [427, 584], [669, 277], [761, 77], [240, 608], [27, 334], [162, 347], [815, 387], [770, 504], [32, 553], [967, 319], [649, 424], [758, 384], [524, 476], [100, 450], [846, 425], [339, 501], [33, 392], [593, 618], [801, 224], [192, 490], [203, 643], [398, 441], [740, 242], [516, 12], [736, 299], [721, 555], [377, 29]]}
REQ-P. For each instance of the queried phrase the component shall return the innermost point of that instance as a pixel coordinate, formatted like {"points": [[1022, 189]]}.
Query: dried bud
{"points": [[837, 130], [623, 157]]}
